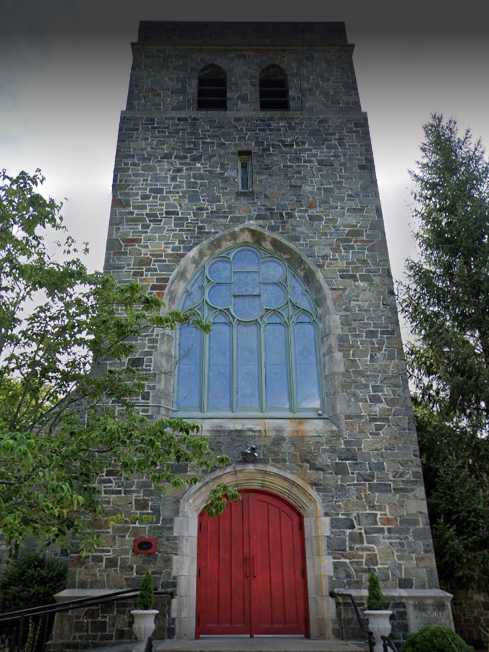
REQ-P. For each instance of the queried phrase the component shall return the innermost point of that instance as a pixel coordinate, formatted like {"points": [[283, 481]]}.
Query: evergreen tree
{"points": [[446, 302]]}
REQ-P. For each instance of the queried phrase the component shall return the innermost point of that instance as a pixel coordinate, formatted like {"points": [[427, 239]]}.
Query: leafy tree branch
{"points": [[67, 384]]}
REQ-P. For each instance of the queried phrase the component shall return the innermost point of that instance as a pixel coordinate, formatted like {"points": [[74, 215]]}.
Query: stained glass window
{"points": [[261, 355]]}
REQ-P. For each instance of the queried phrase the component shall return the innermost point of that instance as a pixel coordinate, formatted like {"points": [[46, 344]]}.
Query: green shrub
{"points": [[376, 600], [436, 638], [145, 599], [30, 581]]}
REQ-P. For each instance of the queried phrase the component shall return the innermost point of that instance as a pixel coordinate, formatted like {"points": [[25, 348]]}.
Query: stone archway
{"points": [[316, 527]]}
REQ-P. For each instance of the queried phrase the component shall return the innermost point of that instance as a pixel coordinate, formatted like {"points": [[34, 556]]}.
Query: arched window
{"points": [[212, 92], [261, 355], [274, 89]]}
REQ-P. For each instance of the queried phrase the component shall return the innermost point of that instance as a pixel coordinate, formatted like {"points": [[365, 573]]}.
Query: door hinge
{"points": [[198, 572]]}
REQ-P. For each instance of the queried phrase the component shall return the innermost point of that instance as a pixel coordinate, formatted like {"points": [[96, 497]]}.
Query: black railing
{"points": [[28, 630], [388, 644], [361, 620]]}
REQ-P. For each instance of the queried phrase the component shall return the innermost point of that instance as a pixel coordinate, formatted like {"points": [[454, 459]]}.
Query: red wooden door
{"points": [[251, 569]]}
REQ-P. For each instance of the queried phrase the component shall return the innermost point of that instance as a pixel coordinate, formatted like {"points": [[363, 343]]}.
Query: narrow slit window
{"points": [[274, 89], [212, 89], [245, 172]]}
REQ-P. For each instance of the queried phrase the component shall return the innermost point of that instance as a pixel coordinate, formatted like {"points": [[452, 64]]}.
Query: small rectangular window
{"points": [[245, 172]]}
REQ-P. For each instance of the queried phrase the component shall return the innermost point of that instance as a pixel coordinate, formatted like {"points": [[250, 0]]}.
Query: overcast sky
{"points": [[64, 72]]}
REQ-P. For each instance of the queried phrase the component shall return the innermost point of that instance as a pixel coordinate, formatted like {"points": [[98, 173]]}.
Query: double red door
{"points": [[251, 576]]}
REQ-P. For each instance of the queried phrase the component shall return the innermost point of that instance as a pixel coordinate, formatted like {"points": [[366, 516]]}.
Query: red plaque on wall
{"points": [[145, 546]]}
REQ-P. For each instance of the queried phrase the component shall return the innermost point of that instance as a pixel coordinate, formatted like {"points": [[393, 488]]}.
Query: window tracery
{"points": [[261, 355]]}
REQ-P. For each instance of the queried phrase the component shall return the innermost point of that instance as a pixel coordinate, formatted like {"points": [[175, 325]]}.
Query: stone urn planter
{"points": [[144, 623], [379, 624], [377, 612], [144, 614]]}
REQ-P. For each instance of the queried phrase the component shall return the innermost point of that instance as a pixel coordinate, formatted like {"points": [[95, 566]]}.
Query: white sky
{"points": [[64, 72]]}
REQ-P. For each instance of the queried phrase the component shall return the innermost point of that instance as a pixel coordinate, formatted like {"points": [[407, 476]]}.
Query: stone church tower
{"points": [[244, 187]]}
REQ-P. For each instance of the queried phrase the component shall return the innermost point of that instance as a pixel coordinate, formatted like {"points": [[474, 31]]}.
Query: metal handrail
{"points": [[54, 607], [368, 634], [388, 644], [24, 616]]}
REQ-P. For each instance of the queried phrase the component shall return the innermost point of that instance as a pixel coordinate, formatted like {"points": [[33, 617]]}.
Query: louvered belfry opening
{"points": [[212, 92], [274, 89]]}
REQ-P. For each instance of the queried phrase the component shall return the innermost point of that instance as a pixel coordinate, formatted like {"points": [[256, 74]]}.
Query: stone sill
{"points": [[307, 426]]}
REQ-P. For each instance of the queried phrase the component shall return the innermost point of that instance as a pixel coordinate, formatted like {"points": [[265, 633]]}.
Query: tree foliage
{"points": [[446, 301], [31, 580], [68, 385], [456, 472]]}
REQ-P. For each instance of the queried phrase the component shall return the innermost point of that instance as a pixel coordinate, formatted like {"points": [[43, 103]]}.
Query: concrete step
{"points": [[218, 644]]}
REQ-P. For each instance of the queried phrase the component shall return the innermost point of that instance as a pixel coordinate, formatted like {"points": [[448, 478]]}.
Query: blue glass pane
{"points": [[246, 283], [220, 295], [247, 367], [273, 295], [219, 381], [189, 368], [276, 365], [272, 271], [247, 307], [245, 259], [194, 293], [306, 366], [220, 270], [275, 318], [298, 293]]}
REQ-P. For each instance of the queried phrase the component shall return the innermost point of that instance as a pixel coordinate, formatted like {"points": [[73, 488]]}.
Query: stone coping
{"points": [[413, 594], [72, 594], [78, 594]]}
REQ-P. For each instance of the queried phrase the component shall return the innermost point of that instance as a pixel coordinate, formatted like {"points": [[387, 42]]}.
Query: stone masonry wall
{"points": [[165, 79], [175, 186]]}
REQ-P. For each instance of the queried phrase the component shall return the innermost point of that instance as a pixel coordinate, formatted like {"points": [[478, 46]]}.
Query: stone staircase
{"points": [[259, 644]]}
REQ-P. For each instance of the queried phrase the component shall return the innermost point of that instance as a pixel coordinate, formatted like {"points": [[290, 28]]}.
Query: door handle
{"points": [[253, 566], [246, 564]]}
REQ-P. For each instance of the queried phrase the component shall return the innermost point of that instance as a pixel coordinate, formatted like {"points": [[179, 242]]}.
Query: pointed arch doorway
{"points": [[251, 569]]}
